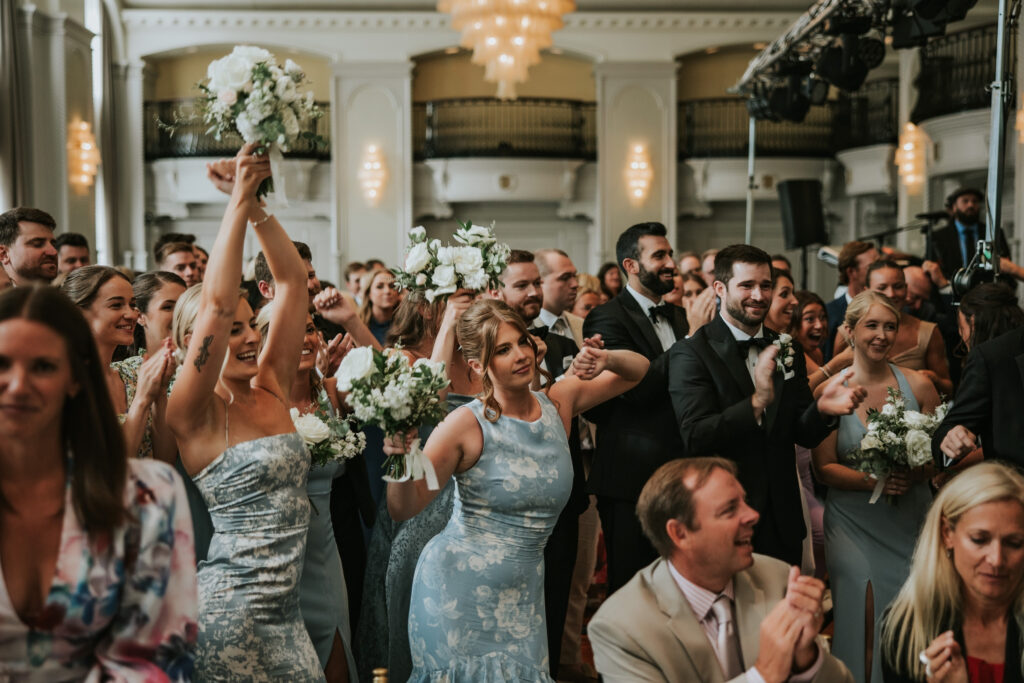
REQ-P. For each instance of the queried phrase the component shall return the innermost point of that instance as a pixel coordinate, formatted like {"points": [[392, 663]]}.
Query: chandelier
{"points": [[506, 36]]}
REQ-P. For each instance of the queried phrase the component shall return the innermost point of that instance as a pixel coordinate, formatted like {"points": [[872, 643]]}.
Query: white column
{"points": [[636, 104], [131, 229], [371, 104], [908, 206]]}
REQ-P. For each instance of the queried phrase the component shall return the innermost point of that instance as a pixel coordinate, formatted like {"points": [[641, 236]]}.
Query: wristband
{"points": [[262, 220], [824, 369]]}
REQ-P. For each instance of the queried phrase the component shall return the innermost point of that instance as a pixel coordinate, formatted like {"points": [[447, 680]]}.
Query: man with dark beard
{"points": [[28, 250], [954, 245], [635, 431], [732, 398]]}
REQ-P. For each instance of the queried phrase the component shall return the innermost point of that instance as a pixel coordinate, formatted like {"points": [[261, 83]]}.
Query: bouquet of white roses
{"points": [[249, 96], [439, 270], [896, 438], [386, 391], [327, 438]]}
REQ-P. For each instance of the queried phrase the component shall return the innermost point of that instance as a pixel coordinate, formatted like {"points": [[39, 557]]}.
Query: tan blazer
{"points": [[576, 325], [647, 631]]}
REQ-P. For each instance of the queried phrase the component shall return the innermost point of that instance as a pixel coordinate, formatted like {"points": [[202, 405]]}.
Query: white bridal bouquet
{"points": [[386, 391], [250, 96], [440, 270], [896, 438], [328, 438]]}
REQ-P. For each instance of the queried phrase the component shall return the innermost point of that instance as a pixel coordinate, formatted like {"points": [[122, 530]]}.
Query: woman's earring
{"points": [[949, 553]]}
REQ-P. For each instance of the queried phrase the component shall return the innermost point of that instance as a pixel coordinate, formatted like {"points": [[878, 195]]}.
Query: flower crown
{"points": [[438, 270]]}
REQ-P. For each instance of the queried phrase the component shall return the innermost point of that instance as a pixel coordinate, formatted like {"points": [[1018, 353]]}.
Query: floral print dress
{"points": [[477, 611], [121, 608]]}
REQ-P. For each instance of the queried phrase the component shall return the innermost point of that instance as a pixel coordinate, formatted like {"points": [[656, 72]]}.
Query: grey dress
{"points": [[868, 543], [250, 627], [395, 549]]}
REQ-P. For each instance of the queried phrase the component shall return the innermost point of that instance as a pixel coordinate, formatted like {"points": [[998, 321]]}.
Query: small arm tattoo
{"points": [[204, 353]]}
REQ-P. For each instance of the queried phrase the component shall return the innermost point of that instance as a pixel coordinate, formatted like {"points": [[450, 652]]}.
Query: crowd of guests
{"points": [[695, 419]]}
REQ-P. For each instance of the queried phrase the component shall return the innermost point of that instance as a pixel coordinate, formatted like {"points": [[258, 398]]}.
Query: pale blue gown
{"points": [[868, 543], [477, 608], [250, 626]]}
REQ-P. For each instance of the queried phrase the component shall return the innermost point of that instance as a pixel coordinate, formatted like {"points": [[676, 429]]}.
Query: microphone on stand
{"points": [[933, 216]]}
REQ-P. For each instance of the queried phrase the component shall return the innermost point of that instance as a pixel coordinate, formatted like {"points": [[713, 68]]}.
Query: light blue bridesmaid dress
{"points": [[477, 607]]}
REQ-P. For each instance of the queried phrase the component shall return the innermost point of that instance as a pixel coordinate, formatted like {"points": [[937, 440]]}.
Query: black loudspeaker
{"points": [[803, 218]]}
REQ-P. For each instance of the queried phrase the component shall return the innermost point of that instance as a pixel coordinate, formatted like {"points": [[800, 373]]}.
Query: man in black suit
{"points": [[988, 404], [953, 246], [854, 259], [635, 431], [521, 289], [731, 399]]}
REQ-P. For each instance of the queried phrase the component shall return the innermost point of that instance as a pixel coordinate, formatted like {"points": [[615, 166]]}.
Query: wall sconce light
{"points": [[372, 174], [909, 158], [638, 174], [83, 156]]}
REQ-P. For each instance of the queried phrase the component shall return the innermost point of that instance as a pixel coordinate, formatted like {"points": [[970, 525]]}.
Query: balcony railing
{"points": [[869, 116], [486, 127], [956, 70], [192, 140], [719, 128]]}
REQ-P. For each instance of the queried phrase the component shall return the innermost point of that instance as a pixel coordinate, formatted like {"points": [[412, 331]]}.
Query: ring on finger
{"points": [[923, 658]]}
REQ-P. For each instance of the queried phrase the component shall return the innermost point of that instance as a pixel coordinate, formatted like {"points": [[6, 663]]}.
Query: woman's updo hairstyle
{"points": [[477, 332], [862, 303], [185, 313]]}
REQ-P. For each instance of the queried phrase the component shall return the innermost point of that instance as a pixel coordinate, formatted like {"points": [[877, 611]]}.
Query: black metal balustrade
{"points": [[486, 127], [192, 140], [956, 71], [719, 127], [869, 116]]}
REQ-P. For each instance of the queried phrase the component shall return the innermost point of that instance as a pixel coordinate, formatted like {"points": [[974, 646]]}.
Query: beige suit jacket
{"points": [[647, 631], [576, 325]]}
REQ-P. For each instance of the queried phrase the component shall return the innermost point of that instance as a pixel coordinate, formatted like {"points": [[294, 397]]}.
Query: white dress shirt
{"points": [[753, 352], [556, 324], [662, 327]]}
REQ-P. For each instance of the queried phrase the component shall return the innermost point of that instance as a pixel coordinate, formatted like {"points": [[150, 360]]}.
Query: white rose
{"points": [[418, 234], [292, 69], [919, 448], [889, 437], [227, 96], [286, 89], [785, 338], [231, 73], [915, 420], [252, 54], [871, 442], [446, 255], [310, 427], [468, 260], [888, 409], [418, 258], [291, 123], [435, 245], [477, 280], [444, 276], [357, 365], [421, 279]]}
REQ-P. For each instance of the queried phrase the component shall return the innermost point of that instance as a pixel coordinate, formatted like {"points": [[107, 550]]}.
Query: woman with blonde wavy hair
{"points": [[477, 607], [867, 546], [960, 614]]}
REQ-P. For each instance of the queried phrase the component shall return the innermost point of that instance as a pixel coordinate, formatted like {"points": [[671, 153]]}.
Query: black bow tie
{"points": [[745, 345], [664, 310], [540, 331]]}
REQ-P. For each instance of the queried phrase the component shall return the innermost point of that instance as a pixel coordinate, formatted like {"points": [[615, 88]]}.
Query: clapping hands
{"points": [[841, 396], [788, 632]]}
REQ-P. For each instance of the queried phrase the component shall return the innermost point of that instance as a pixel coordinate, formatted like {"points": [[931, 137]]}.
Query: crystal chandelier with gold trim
{"points": [[506, 36]]}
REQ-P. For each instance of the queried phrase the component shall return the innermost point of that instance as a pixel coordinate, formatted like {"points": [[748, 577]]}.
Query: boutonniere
{"points": [[784, 360]]}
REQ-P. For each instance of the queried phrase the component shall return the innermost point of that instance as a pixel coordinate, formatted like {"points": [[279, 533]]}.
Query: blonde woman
{"points": [[477, 610], [380, 299], [959, 617], [867, 546]]}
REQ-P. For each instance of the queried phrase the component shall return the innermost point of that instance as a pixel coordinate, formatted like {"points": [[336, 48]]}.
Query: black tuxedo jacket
{"points": [[711, 391], [560, 350], [636, 431], [945, 247], [989, 399]]}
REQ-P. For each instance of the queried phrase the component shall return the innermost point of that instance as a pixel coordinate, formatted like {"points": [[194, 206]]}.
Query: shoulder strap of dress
{"points": [[924, 334], [905, 388]]}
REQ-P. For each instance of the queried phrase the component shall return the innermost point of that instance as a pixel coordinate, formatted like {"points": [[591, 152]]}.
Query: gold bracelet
{"points": [[824, 369], [261, 221]]}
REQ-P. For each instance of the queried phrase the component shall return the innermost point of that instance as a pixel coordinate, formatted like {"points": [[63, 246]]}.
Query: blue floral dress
{"points": [[477, 611], [121, 608]]}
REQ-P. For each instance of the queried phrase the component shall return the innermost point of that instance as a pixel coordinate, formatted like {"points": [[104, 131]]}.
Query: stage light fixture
{"points": [[841, 66], [788, 102], [758, 106], [871, 50], [814, 89]]}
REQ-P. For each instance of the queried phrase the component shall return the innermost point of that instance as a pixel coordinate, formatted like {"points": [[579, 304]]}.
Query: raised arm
{"points": [[189, 405], [282, 349], [336, 308], [445, 342], [599, 375]]}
